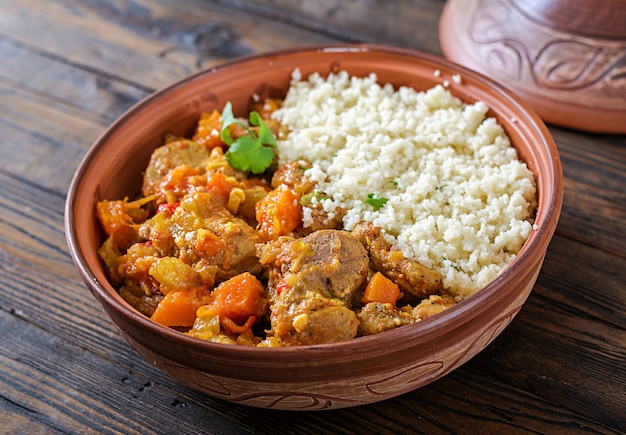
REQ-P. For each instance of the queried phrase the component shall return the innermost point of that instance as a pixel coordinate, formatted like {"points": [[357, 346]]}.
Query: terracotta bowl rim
{"points": [[457, 314]]}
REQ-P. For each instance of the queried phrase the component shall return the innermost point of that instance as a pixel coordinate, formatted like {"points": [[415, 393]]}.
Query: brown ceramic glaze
{"points": [[567, 58], [356, 372]]}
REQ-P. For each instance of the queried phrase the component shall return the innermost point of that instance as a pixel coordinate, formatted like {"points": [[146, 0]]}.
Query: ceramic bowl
{"points": [[564, 57], [361, 371]]}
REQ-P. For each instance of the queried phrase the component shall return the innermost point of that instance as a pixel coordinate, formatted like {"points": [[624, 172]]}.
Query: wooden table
{"points": [[70, 67]]}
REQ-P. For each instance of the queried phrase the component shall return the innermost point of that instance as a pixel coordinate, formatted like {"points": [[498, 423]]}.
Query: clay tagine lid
{"points": [[567, 58]]}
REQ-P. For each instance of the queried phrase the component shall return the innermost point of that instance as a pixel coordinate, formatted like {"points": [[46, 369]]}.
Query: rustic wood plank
{"points": [[36, 267], [48, 118], [481, 404], [570, 282], [152, 44], [45, 135], [60, 105], [594, 206], [411, 24], [566, 341], [42, 160], [51, 78], [84, 38]]}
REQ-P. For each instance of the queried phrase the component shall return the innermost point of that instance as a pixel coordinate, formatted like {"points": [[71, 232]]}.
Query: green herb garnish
{"points": [[251, 152], [376, 201], [316, 195], [453, 264]]}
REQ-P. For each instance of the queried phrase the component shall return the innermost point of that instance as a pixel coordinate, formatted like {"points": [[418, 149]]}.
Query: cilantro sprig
{"points": [[253, 151], [376, 201]]}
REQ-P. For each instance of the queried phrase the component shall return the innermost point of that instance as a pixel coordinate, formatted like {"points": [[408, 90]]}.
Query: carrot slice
{"points": [[178, 308], [239, 298], [239, 302], [381, 289]]}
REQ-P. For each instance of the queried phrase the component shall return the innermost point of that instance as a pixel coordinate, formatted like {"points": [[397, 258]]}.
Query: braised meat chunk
{"points": [[413, 278], [435, 304], [167, 157], [208, 234], [312, 282], [292, 174], [377, 317], [330, 263]]}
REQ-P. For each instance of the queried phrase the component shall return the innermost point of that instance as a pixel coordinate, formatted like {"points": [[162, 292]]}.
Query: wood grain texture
{"points": [[558, 368], [410, 24]]}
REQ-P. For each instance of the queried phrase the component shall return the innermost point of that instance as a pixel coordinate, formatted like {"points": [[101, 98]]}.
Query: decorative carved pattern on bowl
{"points": [[566, 59], [330, 394], [518, 48]]}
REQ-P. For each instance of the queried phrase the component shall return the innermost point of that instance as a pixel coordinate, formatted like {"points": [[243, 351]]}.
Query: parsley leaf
{"points": [[376, 201], [248, 152]]}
